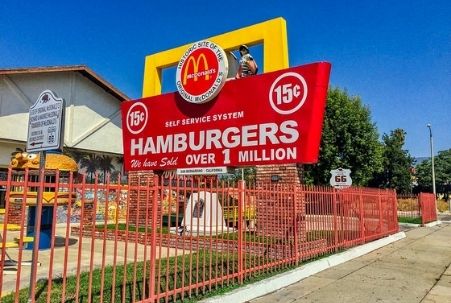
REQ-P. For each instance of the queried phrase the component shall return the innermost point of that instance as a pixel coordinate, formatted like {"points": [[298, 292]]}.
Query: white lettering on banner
{"points": [[205, 119], [228, 116], [135, 163], [247, 135], [267, 155], [200, 159], [168, 161]]}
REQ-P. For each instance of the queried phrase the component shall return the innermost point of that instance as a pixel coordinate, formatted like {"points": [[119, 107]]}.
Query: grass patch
{"points": [[416, 220], [191, 268], [255, 277], [248, 236], [221, 264], [131, 228]]}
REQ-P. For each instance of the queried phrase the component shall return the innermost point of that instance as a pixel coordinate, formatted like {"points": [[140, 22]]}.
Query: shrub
{"points": [[408, 204], [442, 206]]}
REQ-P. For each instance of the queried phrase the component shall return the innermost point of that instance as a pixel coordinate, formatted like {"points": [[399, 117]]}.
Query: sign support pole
{"points": [[37, 227], [45, 132]]}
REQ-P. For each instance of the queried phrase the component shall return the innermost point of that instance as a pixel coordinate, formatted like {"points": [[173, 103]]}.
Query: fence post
{"points": [[241, 188], [395, 209], [380, 206], [424, 208], [37, 229], [295, 224], [153, 239], [5, 222], [361, 217], [435, 208], [334, 206]]}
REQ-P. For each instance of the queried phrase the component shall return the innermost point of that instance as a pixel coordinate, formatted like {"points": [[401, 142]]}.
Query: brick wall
{"points": [[140, 198], [288, 174], [275, 216], [15, 213]]}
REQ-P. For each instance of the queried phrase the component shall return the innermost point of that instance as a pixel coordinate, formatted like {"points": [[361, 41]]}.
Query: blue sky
{"points": [[395, 55]]}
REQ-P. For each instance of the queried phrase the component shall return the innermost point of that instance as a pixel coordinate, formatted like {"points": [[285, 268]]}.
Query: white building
{"points": [[92, 123]]}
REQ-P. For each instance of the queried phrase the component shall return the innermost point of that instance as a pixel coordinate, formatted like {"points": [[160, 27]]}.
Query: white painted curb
{"points": [[279, 281], [409, 224], [432, 224]]}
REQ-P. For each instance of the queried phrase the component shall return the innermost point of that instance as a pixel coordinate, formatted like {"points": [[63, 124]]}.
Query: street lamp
{"points": [[432, 158]]}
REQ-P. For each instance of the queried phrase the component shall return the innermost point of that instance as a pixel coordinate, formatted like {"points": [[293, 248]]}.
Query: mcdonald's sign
{"points": [[278, 121], [201, 72]]}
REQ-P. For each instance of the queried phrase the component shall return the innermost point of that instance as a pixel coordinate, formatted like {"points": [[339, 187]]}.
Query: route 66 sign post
{"points": [[341, 178], [45, 132]]}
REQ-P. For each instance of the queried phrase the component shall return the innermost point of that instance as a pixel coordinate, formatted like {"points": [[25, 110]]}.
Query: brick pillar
{"points": [[88, 214], [275, 216], [288, 174], [140, 200], [15, 213]]}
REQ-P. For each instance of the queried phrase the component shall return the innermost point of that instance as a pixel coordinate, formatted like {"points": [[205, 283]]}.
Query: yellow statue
{"points": [[52, 161], [22, 160]]}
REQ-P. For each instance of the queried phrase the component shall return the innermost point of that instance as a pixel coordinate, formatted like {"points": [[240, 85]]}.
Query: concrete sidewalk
{"points": [[415, 269]]}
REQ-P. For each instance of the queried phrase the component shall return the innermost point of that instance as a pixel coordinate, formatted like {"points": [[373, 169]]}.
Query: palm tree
{"points": [[106, 165], [91, 163]]}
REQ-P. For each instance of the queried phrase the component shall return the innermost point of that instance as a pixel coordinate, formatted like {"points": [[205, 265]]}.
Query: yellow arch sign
{"points": [[272, 34], [196, 67]]}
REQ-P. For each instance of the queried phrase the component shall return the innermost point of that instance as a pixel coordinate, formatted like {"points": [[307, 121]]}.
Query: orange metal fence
{"points": [[178, 238], [422, 207], [428, 207]]}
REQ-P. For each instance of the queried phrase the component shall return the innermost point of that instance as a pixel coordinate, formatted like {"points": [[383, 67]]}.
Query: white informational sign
{"points": [[341, 178], [202, 171], [45, 131], [203, 215]]}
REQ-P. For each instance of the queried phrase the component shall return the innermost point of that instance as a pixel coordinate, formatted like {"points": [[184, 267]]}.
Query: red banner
{"points": [[273, 118]]}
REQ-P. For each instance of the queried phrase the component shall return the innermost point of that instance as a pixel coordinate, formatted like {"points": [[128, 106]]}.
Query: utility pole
{"points": [[432, 158]]}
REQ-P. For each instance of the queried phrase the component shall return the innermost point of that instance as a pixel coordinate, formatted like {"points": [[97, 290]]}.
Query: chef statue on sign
{"points": [[247, 65]]}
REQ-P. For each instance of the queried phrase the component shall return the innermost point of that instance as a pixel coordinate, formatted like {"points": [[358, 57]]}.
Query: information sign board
{"points": [[45, 131]]}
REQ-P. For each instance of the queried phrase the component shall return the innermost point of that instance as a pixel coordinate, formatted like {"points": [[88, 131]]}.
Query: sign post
{"points": [[45, 132]]}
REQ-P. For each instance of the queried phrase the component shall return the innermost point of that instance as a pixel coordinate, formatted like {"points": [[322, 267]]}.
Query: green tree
{"points": [[249, 174], [106, 165], [349, 140], [396, 162], [91, 163], [442, 167]]}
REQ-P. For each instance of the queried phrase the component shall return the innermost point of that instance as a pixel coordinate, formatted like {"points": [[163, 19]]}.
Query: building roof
{"points": [[82, 69]]}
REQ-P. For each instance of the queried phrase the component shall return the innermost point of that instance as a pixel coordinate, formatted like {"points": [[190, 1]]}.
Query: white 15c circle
{"points": [[302, 100]]}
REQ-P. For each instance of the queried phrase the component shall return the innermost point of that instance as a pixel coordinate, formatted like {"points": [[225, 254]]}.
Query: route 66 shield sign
{"points": [[341, 178]]}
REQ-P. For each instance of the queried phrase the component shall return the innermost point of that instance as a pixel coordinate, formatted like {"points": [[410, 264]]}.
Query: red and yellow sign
{"points": [[201, 72], [273, 118]]}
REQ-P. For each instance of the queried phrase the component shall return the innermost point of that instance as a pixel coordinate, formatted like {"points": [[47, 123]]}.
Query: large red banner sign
{"points": [[273, 118]]}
